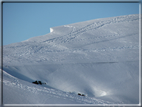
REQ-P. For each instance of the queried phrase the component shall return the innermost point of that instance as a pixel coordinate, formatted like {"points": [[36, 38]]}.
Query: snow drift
{"points": [[51, 30], [98, 58]]}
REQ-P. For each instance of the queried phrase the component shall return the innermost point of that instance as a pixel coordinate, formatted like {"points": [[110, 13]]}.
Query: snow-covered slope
{"points": [[99, 58]]}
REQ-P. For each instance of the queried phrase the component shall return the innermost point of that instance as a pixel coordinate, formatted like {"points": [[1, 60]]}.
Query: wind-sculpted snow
{"points": [[26, 88], [98, 58]]}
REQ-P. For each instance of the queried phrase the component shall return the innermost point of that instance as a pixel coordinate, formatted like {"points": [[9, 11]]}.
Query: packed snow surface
{"points": [[98, 58]]}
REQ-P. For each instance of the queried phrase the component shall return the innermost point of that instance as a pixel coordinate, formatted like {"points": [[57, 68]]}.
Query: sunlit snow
{"points": [[51, 30], [97, 58]]}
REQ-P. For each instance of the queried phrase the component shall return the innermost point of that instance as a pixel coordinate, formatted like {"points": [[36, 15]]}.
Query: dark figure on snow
{"points": [[35, 82], [40, 82]]}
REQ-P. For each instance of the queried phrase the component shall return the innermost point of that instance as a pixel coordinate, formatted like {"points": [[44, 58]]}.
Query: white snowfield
{"points": [[98, 58]]}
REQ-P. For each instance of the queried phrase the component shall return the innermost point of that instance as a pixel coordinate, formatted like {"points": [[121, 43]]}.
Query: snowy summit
{"points": [[90, 62]]}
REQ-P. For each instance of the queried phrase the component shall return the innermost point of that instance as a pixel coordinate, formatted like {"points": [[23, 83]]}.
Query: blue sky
{"points": [[22, 21]]}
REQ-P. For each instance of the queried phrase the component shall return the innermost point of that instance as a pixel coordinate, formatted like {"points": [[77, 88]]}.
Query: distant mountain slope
{"points": [[99, 58], [79, 38]]}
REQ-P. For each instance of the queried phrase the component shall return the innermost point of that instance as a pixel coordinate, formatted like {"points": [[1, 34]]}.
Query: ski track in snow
{"points": [[52, 92], [93, 26], [79, 58]]}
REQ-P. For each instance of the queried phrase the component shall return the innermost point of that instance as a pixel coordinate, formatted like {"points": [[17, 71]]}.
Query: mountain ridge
{"points": [[98, 58], [62, 43]]}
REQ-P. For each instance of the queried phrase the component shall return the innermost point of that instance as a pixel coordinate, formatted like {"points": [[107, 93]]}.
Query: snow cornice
{"points": [[51, 30]]}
